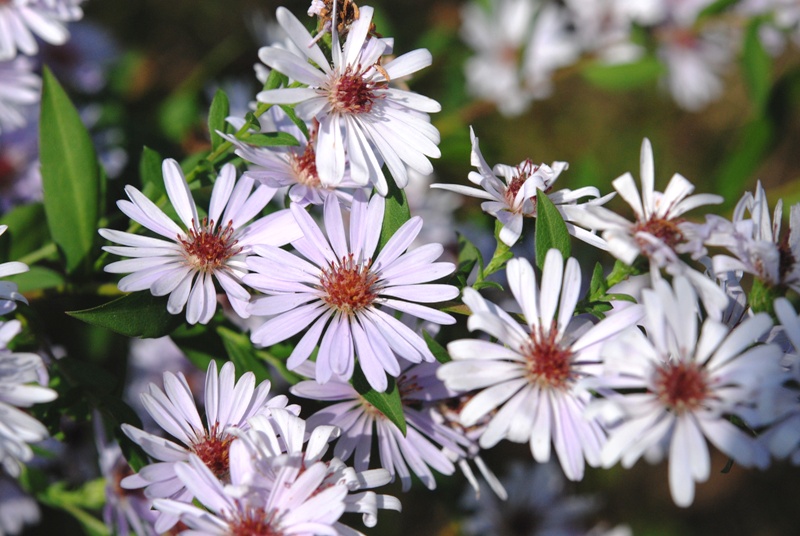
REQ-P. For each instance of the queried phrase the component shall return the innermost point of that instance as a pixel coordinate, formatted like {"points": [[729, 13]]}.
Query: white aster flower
{"points": [[357, 110], [228, 405], [9, 294], [531, 378], [22, 21], [340, 292], [683, 382], [515, 198], [214, 247], [19, 89], [22, 376]]}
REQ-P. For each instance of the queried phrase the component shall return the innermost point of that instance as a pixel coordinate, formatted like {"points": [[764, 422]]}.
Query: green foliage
{"points": [[240, 350], [388, 402], [271, 139], [436, 349], [624, 76], [220, 108], [71, 177], [468, 257], [27, 231], [756, 65], [150, 174], [551, 231], [138, 314], [178, 115], [89, 496], [395, 215]]}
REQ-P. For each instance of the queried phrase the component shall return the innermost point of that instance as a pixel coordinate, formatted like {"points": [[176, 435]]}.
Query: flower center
{"points": [[524, 171], [206, 248], [353, 94], [786, 257], [253, 522], [304, 167], [214, 451], [665, 230], [349, 286], [548, 363], [681, 387]]}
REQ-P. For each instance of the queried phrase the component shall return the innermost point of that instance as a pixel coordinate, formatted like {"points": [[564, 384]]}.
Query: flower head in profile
{"points": [[530, 380], [19, 89], [22, 21], [682, 383], [514, 198], [338, 294], [205, 249], [228, 405], [358, 112], [22, 384]]}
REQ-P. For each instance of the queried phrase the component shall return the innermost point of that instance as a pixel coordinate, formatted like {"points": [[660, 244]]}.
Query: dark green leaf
{"points": [[715, 8], [436, 349], [551, 231], [37, 278], [756, 65], [487, 284], [150, 174], [275, 80], [396, 214], [623, 76], [70, 176], [220, 107], [754, 143], [271, 139], [240, 350], [388, 403], [138, 314], [468, 257], [27, 231], [289, 111], [597, 286]]}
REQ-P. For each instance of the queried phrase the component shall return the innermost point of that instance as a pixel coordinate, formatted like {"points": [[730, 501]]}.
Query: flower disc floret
{"points": [[353, 92], [549, 364], [349, 286], [681, 386], [207, 246]]}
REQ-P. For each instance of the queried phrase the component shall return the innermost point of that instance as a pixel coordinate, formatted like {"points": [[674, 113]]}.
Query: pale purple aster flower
{"points": [[512, 200], [9, 294], [204, 249], [683, 382], [357, 110], [228, 405], [293, 505], [339, 294], [532, 377], [22, 21], [22, 384], [19, 89], [17, 508], [420, 449], [659, 232]]}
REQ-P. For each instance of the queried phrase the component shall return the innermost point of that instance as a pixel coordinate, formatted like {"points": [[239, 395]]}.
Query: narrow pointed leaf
{"points": [[551, 231], [138, 314], [388, 403], [395, 215], [220, 107]]}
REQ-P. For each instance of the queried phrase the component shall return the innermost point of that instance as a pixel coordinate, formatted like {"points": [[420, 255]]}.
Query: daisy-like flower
{"points": [[214, 247], [683, 383], [228, 405], [339, 294], [22, 380], [357, 110], [659, 232], [9, 294], [532, 376], [19, 88], [514, 199], [22, 21], [425, 445]]}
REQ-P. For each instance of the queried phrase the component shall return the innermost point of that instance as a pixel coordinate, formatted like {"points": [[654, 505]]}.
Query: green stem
{"points": [[42, 253]]}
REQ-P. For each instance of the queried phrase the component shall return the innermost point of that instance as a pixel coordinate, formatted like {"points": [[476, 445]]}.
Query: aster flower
{"points": [[214, 247], [339, 294], [357, 110], [19, 89], [17, 509], [22, 380], [683, 382], [421, 449], [514, 199], [532, 377], [228, 405], [22, 21], [9, 294]]}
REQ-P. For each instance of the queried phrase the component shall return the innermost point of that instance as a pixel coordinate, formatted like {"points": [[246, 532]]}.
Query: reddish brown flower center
{"points": [[665, 230], [352, 93], [207, 248], [255, 522], [305, 167], [7, 167], [214, 451], [681, 386], [786, 257], [349, 286], [524, 171], [548, 363]]}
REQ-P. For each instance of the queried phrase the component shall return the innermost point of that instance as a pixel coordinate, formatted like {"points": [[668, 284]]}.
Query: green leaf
{"points": [[756, 65], [37, 278], [597, 286], [71, 176], [220, 107], [468, 257], [551, 231], [289, 111], [178, 115], [240, 350], [436, 349], [27, 231], [271, 139], [388, 403], [623, 76], [715, 8], [395, 215], [755, 141], [150, 174], [138, 314], [89, 496]]}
